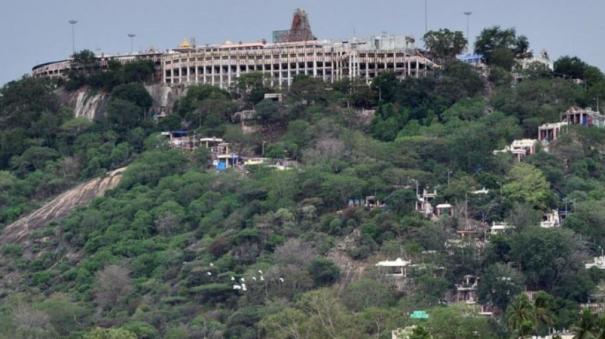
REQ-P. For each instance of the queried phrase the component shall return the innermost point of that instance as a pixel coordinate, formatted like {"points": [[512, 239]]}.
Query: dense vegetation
{"points": [[158, 256]]}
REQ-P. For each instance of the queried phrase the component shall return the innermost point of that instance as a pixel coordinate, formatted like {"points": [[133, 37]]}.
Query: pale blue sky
{"points": [[36, 31]]}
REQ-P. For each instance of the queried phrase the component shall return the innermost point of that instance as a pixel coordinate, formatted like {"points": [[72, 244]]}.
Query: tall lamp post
{"points": [[426, 16], [73, 35], [131, 36], [468, 25]]}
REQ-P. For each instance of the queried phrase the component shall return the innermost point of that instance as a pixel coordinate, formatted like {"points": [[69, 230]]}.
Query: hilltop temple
{"points": [[293, 52]]}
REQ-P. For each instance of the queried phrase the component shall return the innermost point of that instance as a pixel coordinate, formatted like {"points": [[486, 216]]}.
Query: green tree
{"points": [[385, 84], [444, 44], [317, 314], [466, 109], [307, 90], [324, 272], [251, 87], [134, 92], [268, 111], [503, 58], [84, 58], [123, 115], [521, 317], [527, 184], [495, 39], [23, 101], [499, 284], [457, 321], [288, 323], [575, 68], [388, 121], [65, 316], [33, 158], [586, 326], [588, 219], [601, 328], [401, 201], [544, 306], [152, 166], [210, 114], [378, 321], [458, 81], [420, 332], [537, 101], [546, 256], [366, 293], [109, 333], [327, 317], [356, 92], [137, 71]]}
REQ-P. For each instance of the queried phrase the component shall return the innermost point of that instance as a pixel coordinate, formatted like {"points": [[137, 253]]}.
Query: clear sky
{"points": [[37, 31]]}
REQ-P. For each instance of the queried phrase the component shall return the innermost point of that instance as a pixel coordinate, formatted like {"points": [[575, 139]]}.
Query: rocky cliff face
{"points": [[90, 105], [60, 206], [164, 97], [84, 102], [93, 104]]}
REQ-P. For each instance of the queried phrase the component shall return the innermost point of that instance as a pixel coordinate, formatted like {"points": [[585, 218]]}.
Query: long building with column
{"points": [[60, 69], [221, 65], [293, 52]]}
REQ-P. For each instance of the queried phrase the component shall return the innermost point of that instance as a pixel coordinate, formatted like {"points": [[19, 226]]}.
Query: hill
{"points": [[466, 203]]}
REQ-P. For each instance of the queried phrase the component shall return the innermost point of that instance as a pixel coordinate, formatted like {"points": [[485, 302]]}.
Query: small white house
{"points": [[551, 220], [597, 262], [499, 228], [396, 268]]}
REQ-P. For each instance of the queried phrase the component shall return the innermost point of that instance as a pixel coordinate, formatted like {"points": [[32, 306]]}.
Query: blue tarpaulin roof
{"points": [[470, 57], [179, 133]]}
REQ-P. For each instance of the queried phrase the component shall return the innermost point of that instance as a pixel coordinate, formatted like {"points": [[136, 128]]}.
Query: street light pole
{"points": [[426, 16], [73, 35], [131, 36], [468, 25]]}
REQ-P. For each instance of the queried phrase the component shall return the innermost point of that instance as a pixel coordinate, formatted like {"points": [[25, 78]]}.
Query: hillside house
{"points": [[424, 203], [523, 147], [597, 262], [226, 161], [500, 228], [466, 291], [371, 202], [277, 97], [541, 59], [221, 154], [181, 140], [550, 132], [594, 308], [551, 219], [520, 148], [584, 117], [444, 210], [243, 116], [211, 143], [394, 268]]}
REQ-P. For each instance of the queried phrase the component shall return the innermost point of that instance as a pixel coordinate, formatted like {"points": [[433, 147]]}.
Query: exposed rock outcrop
{"points": [[60, 206], [92, 104], [164, 97], [85, 102]]}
